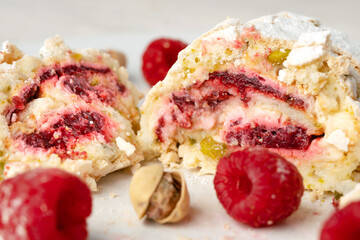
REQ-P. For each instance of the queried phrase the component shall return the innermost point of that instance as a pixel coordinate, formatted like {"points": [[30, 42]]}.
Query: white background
{"points": [[35, 20], [130, 25]]}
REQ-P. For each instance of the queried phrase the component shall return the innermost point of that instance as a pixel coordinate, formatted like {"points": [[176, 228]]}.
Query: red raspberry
{"points": [[158, 58], [44, 204], [258, 187], [344, 224]]}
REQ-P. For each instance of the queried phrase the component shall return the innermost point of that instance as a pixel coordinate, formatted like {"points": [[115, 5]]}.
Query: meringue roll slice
{"points": [[72, 109], [283, 82]]}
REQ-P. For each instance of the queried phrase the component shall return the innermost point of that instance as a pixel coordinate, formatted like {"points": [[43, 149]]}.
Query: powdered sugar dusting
{"points": [[284, 25], [290, 26], [229, 22], [229, 34]]}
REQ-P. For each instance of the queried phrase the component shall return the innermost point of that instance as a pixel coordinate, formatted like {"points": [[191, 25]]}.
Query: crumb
{"points": [[113, 195], [226, 226]]}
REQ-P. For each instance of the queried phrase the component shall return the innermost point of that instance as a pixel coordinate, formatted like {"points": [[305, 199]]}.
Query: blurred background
{"points": [[23, 20], [130, 25]]}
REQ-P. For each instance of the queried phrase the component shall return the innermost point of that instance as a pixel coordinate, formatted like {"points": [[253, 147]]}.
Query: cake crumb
{"points": [[226, 226], [113, 195]]}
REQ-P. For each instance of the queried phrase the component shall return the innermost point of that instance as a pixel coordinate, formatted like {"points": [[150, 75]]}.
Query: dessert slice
{"points": [[283, 82], [73, 109]]}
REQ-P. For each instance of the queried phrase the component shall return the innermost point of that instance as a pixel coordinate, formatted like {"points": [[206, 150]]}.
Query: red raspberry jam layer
{"points": [[188, 105], [18, 103], [62, 135], [158, 130], [288, 136], [243, 85], [91, 83]]}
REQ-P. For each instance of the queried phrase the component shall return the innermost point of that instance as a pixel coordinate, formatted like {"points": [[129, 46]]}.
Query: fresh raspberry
{"points": [[44, 204], [344, 224], [158, 58], [258, 187]]}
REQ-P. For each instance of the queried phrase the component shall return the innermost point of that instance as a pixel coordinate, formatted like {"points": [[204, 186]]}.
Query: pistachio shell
{"points": [[118, 56], [183, 205], [143, 185]]}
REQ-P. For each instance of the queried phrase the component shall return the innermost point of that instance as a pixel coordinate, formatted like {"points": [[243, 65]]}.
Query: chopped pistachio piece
{"points": [[212, 148], [2, 164], [337, 195], [278, 56]]}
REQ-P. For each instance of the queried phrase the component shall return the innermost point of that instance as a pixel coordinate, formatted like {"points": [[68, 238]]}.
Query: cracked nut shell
{"points": [[143, 185], [118, 56]]}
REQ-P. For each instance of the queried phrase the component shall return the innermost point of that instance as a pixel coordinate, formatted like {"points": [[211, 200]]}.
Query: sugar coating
{"points": [[290, 26], [229, 34]]}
